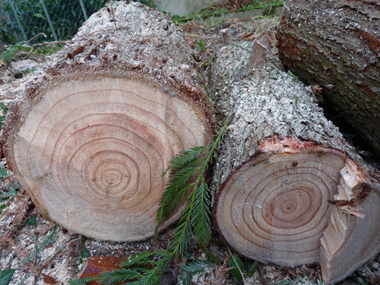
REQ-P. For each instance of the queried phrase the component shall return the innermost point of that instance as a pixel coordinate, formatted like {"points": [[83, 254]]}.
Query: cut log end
{"points": [[91, 153], [275, 207]]}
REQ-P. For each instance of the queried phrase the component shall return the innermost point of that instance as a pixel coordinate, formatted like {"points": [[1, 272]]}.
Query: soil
{"points": [[64, 258]]}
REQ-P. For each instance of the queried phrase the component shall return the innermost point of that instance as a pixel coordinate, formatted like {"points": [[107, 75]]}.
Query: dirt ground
{"points": [[22, 230]]}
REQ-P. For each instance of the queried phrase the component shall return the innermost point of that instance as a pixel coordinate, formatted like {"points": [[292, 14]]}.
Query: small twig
{"points": [[49, 258], [35, 37], [51, 43]]}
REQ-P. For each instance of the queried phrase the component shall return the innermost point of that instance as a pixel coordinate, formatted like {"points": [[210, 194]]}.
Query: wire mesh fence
{"points": [[43, 20]]}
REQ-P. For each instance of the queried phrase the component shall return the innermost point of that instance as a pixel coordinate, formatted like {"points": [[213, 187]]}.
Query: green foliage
{"points": [[32, 221], [26, 71], [193, 268], [14, 50], [66, 16], [46, 240], [210, 256], [202, 45], [3, 172], [117, 276], [220, 9], [6, 276], [253, 269], [8, 195], [85, 253], [237, 272], [80, 281]]}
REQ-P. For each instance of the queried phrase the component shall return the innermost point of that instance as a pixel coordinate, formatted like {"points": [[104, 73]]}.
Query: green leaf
{"points": [[32, 221], [8, 195], [236, 262], [6, 276], [253, 269], [192, 268], [85, 253], [2, 207], [3, 171]]}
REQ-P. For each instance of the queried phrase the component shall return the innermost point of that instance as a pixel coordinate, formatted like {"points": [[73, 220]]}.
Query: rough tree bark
{"points": [[280, 164], [93, 132], [336, 45]]}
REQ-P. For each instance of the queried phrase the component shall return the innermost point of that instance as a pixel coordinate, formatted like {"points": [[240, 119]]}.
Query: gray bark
{"points": [[336, 44], [281, 161], [263, 102]]}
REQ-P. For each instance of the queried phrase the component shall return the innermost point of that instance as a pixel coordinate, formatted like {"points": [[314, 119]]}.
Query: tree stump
{"points": [[93, 132], [281, 163], [336, 45]]}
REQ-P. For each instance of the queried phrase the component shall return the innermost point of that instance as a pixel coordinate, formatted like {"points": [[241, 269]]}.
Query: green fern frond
{"points": [[192, 268], [210, 256], [201, 214], [117, 276], [142, 259], [195, 217], [46, 240], [182, 234], [80, 281], [184, 157], [168, 205], [153, 277]]}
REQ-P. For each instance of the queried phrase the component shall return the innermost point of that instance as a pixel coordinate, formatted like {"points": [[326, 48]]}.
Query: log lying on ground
{"points": [[94, 131], [336, 45], [280, 164]]}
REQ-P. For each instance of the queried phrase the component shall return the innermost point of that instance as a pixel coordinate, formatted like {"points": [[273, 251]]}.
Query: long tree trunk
{"points": [[280, 164], [93, 132], [336, 44]]}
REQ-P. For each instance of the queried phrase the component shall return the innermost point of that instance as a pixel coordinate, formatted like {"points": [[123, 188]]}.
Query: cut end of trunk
{"points": [[92, 152], [275, 207]]}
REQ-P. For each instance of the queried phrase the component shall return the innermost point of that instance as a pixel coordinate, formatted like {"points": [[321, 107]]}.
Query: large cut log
{"points": [[93, 132], [336, 44], [281, 163]]}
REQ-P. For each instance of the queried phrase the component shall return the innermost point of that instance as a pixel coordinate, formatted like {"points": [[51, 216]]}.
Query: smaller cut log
{"points": [[281, 166], [336, 45], [93, 132]]}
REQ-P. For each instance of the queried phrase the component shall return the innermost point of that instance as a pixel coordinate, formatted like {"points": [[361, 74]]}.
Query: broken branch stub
{"points": [[283, 168], [92, 134]]}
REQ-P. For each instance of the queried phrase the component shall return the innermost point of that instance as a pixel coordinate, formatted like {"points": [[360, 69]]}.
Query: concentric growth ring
{"points": [[275, 208], [95, 155]]}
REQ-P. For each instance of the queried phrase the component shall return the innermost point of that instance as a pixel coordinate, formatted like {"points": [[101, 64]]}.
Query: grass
{"points": [[227, 7]]}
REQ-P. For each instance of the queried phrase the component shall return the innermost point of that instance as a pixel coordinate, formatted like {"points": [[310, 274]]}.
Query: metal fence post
{"points": [[18, 20], [13, 26], [48, 18], [83, 9]]}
